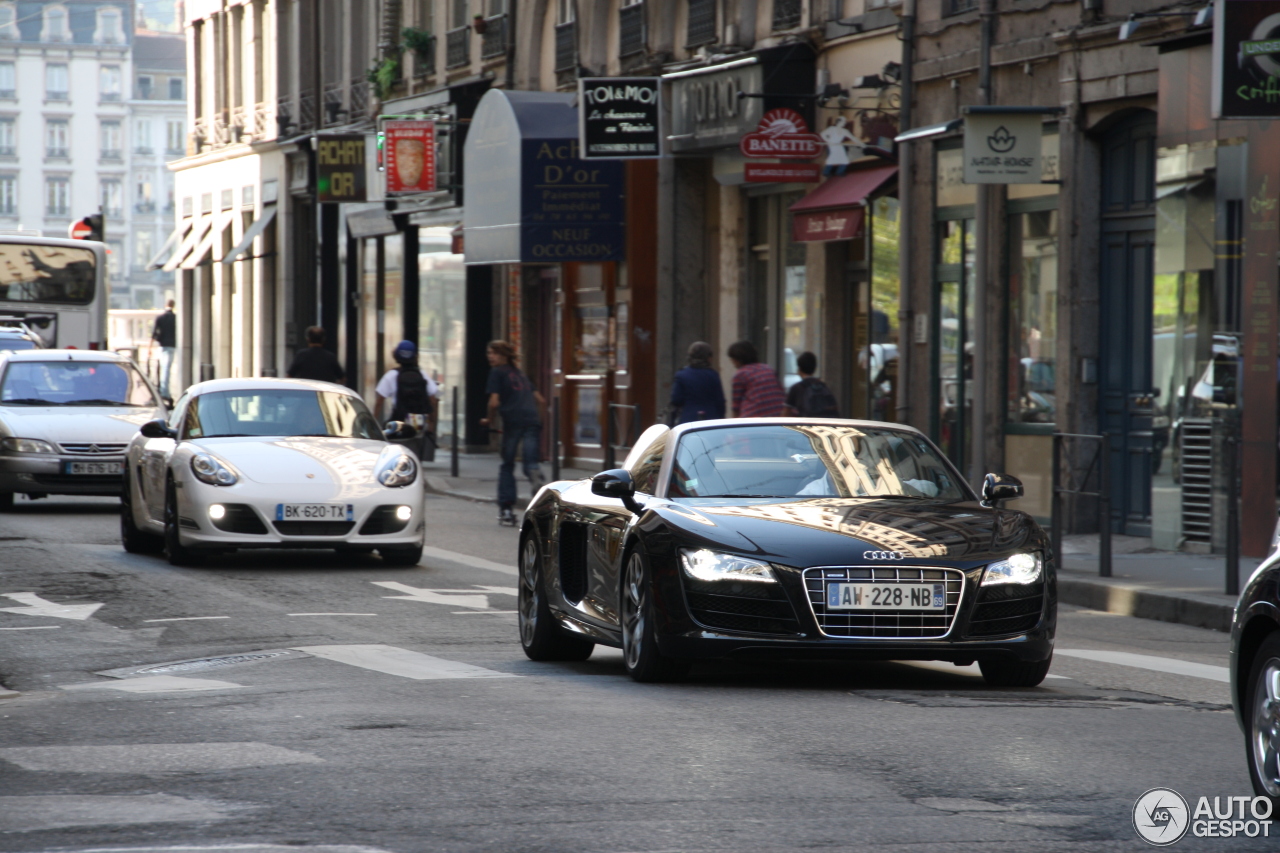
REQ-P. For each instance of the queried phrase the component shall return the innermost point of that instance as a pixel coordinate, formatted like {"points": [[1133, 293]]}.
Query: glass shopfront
{"points": [[442, 319]]}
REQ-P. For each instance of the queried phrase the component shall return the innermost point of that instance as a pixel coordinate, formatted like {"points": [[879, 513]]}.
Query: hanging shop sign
{"points": [[1246, 59], [781, 173], [340, 167], [618, 117], [784, 134], [1002, 147], [410, 147]]}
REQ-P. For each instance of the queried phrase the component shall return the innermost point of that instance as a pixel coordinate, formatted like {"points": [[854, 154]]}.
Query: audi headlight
{"points": [[26, 445], [213, 471], [396, 468], [1020, 568], [706, 565]]}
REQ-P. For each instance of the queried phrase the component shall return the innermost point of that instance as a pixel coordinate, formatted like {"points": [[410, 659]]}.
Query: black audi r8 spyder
{"points": [[1255, 671], [788, 538]]}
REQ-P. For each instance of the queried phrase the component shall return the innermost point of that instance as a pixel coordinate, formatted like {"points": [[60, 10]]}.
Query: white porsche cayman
{"points": [[271, 463]]}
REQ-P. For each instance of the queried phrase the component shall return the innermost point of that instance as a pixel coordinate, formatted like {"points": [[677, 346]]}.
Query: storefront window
{"points": [[800, 308], [954, 351], [881, 362], [1033, 319], [442, 318]]}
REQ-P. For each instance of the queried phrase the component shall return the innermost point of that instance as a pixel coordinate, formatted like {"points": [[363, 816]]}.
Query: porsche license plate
{"points": [[887, 596], [315, 512], [94, 469]]}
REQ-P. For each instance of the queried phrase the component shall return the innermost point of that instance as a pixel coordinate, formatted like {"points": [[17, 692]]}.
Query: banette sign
{"points": [[782, 133]]}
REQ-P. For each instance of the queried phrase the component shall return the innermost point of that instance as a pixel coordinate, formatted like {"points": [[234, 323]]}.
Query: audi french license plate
{"points": [[94, 469], [887, 596], [315, 512]]}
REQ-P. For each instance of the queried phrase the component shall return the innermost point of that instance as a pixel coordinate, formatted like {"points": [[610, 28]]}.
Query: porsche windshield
{"points": [[74, 383], [282, 412], [802, 461]]}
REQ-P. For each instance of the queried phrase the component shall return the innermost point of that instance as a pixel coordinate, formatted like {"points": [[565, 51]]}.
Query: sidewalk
{"points": [[1165, 585]]}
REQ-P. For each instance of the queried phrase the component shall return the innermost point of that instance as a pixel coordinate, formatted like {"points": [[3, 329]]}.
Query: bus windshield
{"points": [[49, 274]]}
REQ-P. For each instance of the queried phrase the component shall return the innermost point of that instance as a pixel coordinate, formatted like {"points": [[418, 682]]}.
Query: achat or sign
{"points": [[784, 134], [340, 167], [1002, 148], [1246, 59], [411, 156], [618, 117]]}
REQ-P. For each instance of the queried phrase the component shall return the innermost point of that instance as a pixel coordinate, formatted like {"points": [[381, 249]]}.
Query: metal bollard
{"points": [[1233, 516], [453, 455], [1055, 521], [1104, 508], [555, 437]]}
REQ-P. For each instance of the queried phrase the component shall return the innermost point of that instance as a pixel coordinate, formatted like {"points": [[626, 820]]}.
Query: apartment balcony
{"points": [[8, 151], [239, 122], [114, 155], [109, 98], [145, 207], [424, 58], [58, 153], [457, 47], [493, 43], [307, 111], [786, 14], [334, 112], [144, 150], [631, 29], [567, 46], [358, 99], [57, 95], [261, 121]]}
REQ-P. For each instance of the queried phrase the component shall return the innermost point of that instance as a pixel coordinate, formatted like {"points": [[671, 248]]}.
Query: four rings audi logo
{"points": [[884, 555]]}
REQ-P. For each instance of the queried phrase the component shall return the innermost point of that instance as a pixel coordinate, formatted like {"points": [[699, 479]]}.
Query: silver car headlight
{"points": [[1020, 568], [396, 468], [26, 445], [706, 565], [209, 469]]}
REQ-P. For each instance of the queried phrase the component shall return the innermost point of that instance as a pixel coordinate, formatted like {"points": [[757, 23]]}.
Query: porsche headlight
{"points": [[707, 565], [209, 469], [396, 468], [1020, 568], [26, 445]]}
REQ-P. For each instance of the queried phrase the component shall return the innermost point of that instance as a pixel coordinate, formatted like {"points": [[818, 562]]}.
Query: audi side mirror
{"points": [[1000, 487], [158, 429], [616, 483]]}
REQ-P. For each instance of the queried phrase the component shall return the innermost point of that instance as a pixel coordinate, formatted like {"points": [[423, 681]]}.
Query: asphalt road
{"points": [[396, 712]]}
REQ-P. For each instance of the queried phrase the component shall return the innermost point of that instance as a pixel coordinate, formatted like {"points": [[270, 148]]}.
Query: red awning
{"points": [[848, 190]]}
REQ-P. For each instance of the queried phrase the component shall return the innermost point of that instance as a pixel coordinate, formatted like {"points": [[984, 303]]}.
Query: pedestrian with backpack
{"points": [[696, 393], [811, 397], [413, 396], [512, 395]]}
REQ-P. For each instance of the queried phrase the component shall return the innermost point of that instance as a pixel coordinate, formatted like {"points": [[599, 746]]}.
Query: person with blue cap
{"points": [[413, 394]]}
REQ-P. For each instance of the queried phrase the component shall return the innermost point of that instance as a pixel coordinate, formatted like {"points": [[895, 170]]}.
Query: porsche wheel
{"points": [[134, 540], [409, 556], [541, 638], [6, 501], [639, 644], [1262, 719], [1009, 673], [179, 554]]}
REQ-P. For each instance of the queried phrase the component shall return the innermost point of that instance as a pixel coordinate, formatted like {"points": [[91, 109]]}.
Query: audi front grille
{"points": [[883, 624]]}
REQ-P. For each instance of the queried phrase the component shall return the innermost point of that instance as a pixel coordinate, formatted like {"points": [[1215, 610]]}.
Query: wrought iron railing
{"points": [[358, 99], [424, 58], [567, 46], [260, 128], [239, 117], [334, 112], [493, 43], [702, 23], [786, 14], [457, 47], [631, 29], [306, 111]]}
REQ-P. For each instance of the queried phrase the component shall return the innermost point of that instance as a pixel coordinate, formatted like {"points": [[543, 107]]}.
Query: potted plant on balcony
{"points": [[385, 73], [479, 24], [422, 43]]}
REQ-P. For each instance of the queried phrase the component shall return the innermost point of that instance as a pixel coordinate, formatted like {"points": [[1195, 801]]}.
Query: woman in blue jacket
{"points": [[696, 394]]}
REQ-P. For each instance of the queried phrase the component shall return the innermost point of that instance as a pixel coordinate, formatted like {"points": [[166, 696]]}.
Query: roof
{"points": [[160, 52], [847, 190], [267, 384], [65, 355]]}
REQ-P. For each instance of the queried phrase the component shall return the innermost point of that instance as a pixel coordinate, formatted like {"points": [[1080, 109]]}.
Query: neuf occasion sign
{"points": [[1246, 59], [340, 167], [1002, 148]]}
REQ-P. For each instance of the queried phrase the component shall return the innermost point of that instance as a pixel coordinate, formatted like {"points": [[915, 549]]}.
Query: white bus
{"points": [[57, 287]]}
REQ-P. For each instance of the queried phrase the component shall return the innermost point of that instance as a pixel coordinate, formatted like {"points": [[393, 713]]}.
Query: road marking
{"points": [[156, 684], [331, 614], [142, 758], [244, 848], [481, 612], [1151, 662], [468, 560], [186, 619], [66, 811], [452, 597], [401, 662], [37, 606], [33, 628]]}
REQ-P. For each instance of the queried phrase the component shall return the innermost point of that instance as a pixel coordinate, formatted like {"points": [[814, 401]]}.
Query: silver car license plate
{"points": [[94, 469], [887, 596], [315, 512]]}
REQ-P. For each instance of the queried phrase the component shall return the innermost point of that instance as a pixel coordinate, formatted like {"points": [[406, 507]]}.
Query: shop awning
{"points": [[170, 245], [377, 222], [835, 210], [202, 248], [188, 244], [254, 231]]}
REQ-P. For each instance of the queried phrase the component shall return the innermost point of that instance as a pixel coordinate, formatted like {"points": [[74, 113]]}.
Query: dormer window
{"points": [[8, 22], [110, 26], [56, 27]]}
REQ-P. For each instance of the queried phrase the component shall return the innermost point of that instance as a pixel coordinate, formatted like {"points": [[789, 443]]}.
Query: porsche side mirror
{"points": [[158, 429], [399, 429], [1000, 487], [616, 483]]}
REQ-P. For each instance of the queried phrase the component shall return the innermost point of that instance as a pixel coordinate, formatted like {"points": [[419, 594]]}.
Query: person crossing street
{"points": [[512, 395]]}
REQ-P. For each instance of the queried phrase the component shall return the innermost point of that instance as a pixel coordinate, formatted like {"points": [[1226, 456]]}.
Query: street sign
{"points": [[410, 156], [618, 118], [1246, 59], [80, 230], [1002, 148], [340, 167]]}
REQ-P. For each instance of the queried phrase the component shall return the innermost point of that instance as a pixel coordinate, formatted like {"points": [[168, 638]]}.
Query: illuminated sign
{"points": [[340, 167]]}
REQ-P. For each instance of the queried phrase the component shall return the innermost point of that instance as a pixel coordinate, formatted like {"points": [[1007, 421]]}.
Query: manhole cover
{"points": [[178, 667]]}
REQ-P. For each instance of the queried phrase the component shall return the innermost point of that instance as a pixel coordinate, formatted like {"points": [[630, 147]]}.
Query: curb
{"points": [[441, 486], [1129, 599], [8, 694]]}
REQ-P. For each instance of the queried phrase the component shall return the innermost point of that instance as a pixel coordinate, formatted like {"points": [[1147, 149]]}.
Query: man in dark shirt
{"points": [[165, 335], [316, 362], [512, 395]]}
